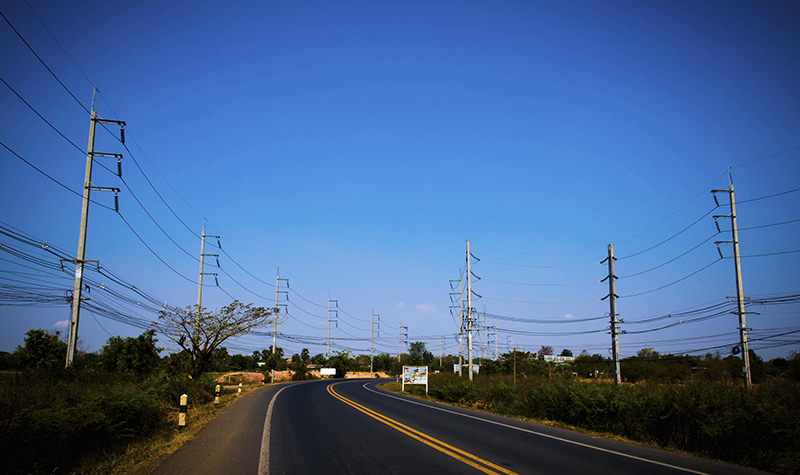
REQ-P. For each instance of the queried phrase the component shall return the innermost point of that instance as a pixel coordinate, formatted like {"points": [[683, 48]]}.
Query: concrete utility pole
{"points": [[336, 311], [372, 342], [484, 334], [469, 310], [200, 277], [460, 327], [739, 289], [613, 314], [275, 317], [72, 335]]}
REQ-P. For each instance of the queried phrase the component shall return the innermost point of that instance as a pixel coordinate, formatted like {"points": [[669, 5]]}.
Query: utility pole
{"points": [[495, 340], [200, 277], [275, 317], [469, 310], [72, 336], [739, 289], [400, 341], [440, 351], [336, 312], [372, 342], [484, 334], [613, 313]]}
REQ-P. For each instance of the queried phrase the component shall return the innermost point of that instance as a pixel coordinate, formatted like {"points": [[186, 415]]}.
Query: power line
{"points": [[50, 177], [43, 63]]}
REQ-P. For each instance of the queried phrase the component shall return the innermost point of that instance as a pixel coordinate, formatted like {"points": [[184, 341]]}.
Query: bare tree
{"points": [[545, 350], [199, 331]]}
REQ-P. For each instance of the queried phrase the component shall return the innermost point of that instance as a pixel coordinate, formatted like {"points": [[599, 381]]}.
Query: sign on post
{"points": [[415, 375], [327, 371]]}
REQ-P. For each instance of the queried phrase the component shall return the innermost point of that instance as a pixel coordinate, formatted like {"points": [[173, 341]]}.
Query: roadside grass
{"points": [[143, 456], [91, 422]]}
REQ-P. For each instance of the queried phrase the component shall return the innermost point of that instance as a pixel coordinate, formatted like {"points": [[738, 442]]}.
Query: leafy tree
{"points": [[240, 362], [565, 352], [647, 354], [418, 354], [131, 355], [42, 350], [199, 332], [343, 362], [299, 366]]}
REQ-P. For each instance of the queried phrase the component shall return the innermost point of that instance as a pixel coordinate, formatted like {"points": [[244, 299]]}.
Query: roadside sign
{"points": [[415, 375]]}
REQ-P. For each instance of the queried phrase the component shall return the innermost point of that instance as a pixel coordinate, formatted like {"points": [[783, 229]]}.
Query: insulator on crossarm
{"points": [[122, 135], [116, 202], [119, 168]]}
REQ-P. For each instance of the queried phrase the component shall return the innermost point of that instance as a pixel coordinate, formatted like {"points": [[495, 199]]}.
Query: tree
{"points": [[545, 350], [566, 352], [131, 355], [418, 354], [42, 350], [199, 331]]}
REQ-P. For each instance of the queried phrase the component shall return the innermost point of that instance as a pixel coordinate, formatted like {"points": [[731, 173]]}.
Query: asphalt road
{"points": [[353, 427]]}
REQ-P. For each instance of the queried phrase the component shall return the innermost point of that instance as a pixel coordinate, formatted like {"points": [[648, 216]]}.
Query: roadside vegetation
{"points": [[118, 407], [691, 404]]}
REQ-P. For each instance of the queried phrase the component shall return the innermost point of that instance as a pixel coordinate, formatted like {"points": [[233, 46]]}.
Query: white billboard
{"points": [[415, 375]]}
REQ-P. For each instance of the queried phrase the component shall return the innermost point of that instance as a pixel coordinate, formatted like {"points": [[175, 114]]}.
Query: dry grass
{"points": [[142, 457]]}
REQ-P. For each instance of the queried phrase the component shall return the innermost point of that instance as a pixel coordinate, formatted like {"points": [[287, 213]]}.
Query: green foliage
{"points": [[419, 355], [299, 366], [131, 355], [42, 350], [760, 428], [49, 421], [343, 362]]}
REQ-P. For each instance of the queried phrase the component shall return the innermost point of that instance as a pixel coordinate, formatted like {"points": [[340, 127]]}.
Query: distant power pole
{"points": [[72, 336], [275, 317], [335, 310], [739, 290], [400, 341], [613, 313], [469, 310], [372, 342]]}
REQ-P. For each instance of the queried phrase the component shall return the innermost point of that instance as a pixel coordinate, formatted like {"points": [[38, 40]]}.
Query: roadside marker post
{"points": [[240, 387], [182, 413], [216, 396]]}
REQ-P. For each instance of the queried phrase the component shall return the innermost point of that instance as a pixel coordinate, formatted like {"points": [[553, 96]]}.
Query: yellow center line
{"points": [[443, 447]]}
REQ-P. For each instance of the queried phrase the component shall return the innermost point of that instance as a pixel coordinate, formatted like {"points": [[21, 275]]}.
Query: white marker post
{"points": [[182, 411]]}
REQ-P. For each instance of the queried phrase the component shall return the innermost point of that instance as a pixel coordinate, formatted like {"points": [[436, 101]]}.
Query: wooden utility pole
{"points": [[75, 311]]}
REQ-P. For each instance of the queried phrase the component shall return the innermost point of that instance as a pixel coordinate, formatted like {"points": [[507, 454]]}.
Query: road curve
{"points": [[354, 427]]}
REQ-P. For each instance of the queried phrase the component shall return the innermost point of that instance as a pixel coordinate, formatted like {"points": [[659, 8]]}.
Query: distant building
{"points": [[557, 359]]}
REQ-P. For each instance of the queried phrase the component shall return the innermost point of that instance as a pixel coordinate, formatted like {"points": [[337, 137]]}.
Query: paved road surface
{"points": [[353, 427]]}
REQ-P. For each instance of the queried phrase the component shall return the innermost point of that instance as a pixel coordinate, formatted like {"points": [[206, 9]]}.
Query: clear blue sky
{"points": [[358, 145]]}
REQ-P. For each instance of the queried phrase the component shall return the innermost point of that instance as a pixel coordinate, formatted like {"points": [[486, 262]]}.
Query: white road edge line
{"points": [[263, 461], [538, 433]]}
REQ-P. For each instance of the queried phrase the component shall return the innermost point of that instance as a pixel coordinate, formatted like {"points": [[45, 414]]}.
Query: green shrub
{"points": [[759, 428]]}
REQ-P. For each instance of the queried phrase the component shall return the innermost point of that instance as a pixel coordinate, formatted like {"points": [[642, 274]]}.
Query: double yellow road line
{"points": [[483, 465]]}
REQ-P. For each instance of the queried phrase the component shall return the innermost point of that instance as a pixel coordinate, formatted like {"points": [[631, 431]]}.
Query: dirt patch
{"points": [[365, 374], [240, 377]]}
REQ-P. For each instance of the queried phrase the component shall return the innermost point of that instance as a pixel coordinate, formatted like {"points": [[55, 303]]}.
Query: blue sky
{"points": [[358, 145]]}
